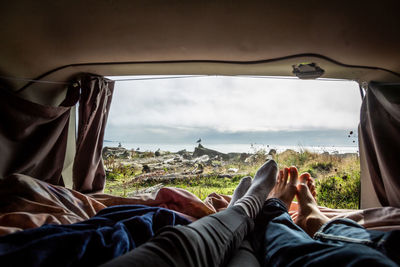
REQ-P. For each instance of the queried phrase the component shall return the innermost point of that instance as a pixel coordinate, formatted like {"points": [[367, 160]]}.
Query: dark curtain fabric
{"points": [[94, 105], [33, 137], [380, 140]]}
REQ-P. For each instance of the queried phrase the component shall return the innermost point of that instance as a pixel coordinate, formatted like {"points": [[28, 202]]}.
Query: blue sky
{"points": [[234, 109]]}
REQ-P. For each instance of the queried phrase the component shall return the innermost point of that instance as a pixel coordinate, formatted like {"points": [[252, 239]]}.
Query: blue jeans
{"points": [[340, 242]]}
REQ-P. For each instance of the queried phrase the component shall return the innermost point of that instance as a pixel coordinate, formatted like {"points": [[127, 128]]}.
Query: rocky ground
{"points": [[166, 165], [204, 171]]}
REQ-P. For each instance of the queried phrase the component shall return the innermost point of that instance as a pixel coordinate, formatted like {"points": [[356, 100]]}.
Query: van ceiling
{"points": [[40, 36]]}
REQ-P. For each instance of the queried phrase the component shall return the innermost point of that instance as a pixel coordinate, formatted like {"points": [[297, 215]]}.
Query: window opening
{"points": [[203, 133]]}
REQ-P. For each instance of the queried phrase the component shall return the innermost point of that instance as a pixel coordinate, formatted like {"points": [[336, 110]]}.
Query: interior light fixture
{"points": [[307, 71]]}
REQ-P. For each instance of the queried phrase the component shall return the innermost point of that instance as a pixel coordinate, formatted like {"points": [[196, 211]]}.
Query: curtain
{"points": [[380, 141], [94, 105], [33, 137]]}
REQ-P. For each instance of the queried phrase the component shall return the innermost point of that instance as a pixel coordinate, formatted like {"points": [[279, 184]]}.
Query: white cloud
{"points": [[235, 104]]}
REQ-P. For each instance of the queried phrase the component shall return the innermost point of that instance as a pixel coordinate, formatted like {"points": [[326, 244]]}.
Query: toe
{"points": [[312, 189], [304, 177], [280, 177], [293, 175], [285, 175]]}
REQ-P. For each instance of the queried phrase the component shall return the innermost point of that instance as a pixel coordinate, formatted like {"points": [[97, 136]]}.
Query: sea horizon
{"points": [[231, 148]]}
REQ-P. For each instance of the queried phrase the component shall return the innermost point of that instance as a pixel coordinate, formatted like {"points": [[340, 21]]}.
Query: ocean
{"points": [[228, 148]]}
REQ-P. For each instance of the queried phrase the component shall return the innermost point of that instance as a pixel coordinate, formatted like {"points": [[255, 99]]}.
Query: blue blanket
{"points": [[111, 233]]}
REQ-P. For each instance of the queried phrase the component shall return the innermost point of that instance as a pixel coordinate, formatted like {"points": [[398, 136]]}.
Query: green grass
{"points": [[201, 187], [339, 192], [337, 178]]}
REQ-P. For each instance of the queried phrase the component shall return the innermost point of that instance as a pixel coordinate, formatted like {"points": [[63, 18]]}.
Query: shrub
{"points": [[112, 176], [322, 166], [339, 192]]}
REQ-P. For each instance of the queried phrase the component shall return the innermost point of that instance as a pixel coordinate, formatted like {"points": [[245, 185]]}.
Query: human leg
{"points": [[245, 255], [209, 241], [343, 231], [286, 244]]}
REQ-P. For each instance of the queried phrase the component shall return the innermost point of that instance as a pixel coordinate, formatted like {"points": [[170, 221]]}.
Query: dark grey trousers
{"points": [[214, 240]]}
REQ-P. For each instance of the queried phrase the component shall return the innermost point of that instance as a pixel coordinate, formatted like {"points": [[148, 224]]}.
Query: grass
{"points": [[200, 186], [337, 177]]}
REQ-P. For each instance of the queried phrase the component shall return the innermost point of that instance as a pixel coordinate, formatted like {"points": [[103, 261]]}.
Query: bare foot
{"points": [[284, 189], [305, 178], [310, 218]]}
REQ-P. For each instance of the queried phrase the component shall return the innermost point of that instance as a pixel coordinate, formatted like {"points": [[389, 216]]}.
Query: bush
{"points": [[112, 176], [322, 166], [339, 192]]}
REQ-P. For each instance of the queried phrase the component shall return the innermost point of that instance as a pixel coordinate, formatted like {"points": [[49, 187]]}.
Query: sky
{"points": [[232, 109]]}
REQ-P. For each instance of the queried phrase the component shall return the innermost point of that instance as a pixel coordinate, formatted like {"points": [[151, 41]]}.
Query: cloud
{"points": [[234, 104]]}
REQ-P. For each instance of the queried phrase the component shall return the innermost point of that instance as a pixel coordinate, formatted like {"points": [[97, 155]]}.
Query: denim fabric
{"points": [[338, 243], [209, 241], [110, 233], [345, 231]]}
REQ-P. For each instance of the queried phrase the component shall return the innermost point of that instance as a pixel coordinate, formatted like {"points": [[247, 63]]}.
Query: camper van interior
{"points": [[58, 60]]}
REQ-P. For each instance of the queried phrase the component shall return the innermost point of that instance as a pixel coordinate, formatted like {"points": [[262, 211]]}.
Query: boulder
{"points": [[201, 159], [116, 152], [234, 170], [200, 151], [185, 154], [178, 158], [199, 169], [169, 161], [237, 156]]}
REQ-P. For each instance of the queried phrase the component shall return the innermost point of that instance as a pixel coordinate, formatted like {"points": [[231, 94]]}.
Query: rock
{"points": [[146, 168], [169, 161], [234, 170], [181, 152], [201, 159], [200, 151], [199, 169], [157, 153], [178, 158], [116, 152], [185, 154], [237, 156], [151, 189]]}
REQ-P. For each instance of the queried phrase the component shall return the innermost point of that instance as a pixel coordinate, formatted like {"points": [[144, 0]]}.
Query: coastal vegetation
{"points": [[204, 171]]}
